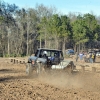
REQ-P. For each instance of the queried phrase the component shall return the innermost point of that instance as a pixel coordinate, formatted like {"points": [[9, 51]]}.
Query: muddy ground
{"points": [[15, 85]]}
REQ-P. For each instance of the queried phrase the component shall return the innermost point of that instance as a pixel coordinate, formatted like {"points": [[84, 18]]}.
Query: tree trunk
{"points": [[40, 41], [8, 30], [64, 45], [28, 24]]}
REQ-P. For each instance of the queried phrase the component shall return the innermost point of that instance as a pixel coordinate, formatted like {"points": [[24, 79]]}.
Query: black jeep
{"points": [[46, 59]]}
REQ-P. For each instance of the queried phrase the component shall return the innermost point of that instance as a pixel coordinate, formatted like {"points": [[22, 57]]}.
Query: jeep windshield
{"points": [[50, 53]]}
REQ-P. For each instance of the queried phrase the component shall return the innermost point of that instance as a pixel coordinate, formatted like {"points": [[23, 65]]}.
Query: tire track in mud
{"points": [[33, 89], [15, 85]]}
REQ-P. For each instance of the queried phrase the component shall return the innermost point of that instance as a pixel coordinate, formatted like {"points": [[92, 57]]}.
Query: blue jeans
{"points": [[91, 60]]}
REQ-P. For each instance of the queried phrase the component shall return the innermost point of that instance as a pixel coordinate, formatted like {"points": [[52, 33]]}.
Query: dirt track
{"points": [[15, 85]]}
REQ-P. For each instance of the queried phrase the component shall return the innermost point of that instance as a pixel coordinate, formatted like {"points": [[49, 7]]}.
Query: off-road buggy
{"points": [[48, 59]]}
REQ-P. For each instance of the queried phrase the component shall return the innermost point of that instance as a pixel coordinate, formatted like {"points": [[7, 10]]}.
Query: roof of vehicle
{"points": [[49, 49]]}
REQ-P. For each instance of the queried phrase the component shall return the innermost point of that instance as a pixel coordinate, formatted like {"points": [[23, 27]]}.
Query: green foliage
{"points": [[1, 19], [65, 28], [7, 11], [97, 33], [1, 55], [6, 55], [55, 24], [84, 28], [42, 24]]}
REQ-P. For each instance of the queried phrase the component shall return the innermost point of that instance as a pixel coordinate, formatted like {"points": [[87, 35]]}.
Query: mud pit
{"points": [[15, 85]]}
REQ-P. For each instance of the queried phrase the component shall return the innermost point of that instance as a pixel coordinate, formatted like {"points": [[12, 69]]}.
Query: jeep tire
{"points": [[29, 69]]}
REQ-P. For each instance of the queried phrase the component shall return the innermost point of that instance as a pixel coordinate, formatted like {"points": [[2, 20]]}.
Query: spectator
{"points": [[91, 58], [85, 57], [94, 57], [81, 56], [88, 57]]}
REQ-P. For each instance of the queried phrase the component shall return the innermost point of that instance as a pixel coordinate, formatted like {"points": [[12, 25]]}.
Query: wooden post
{"points": [[11, 60], [23, 62], [20, 62], [14, 61]]}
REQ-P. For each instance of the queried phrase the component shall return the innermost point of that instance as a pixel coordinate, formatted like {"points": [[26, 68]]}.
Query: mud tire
{"points": [[29, 69]]}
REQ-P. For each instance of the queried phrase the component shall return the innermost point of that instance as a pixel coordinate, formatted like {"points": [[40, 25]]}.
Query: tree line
{"points": [[23, 30]]}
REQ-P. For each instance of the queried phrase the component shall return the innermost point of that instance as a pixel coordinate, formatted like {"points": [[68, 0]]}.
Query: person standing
{"points": [[81, 56], [94, 57], [85, 57], [91, 58]]}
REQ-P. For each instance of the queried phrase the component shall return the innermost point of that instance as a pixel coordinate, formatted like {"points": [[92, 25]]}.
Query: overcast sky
{"points": [[64, 6]]}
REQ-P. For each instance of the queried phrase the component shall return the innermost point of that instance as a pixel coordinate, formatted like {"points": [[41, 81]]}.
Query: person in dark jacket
{"points": [[94, 57]]}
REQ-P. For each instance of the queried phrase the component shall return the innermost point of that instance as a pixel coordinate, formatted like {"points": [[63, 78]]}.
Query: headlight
{"points": [[33, 62]]}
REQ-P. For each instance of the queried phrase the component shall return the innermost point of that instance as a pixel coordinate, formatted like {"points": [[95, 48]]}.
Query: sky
{"points": [[63, 6]]}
